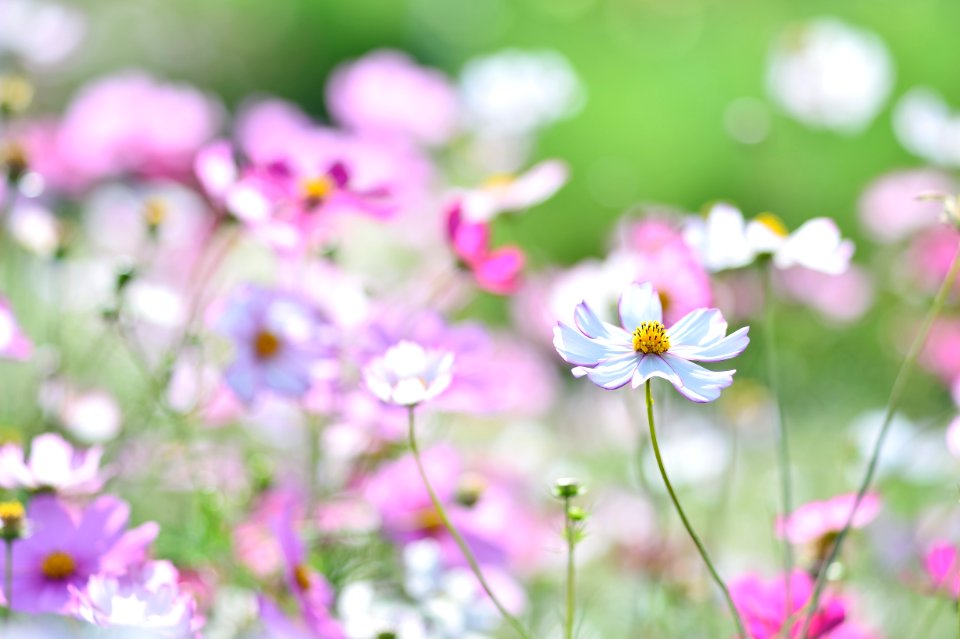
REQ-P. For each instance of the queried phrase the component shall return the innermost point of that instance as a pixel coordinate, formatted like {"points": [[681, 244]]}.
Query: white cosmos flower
{"points": [[507, 192], [927, 127], [642, 348], [829, 74], [409, 374], [725, 240]]}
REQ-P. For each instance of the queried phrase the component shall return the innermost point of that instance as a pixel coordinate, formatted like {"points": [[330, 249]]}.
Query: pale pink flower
{"points": [[813, 521], [53, 464], [14, 344], [386, 93], [890, 209], [841, 298]]}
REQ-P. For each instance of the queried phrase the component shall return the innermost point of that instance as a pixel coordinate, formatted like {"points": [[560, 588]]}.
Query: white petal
{"points": [[817, 245], [616, 372], [697, 383], [697, 328], [592, 326], [730, 346], [654, 366], [638, 304], [577, 349]]}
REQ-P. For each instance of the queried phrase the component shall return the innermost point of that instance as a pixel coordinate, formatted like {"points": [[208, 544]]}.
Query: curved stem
{"points": [[783, 443], [457, 537], [896, 394], [686, 523], [570, 532]]}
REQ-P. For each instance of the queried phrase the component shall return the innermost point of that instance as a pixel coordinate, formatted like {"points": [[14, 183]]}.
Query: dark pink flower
{"points": [[494, 270], [940, 564], [765, 609]]}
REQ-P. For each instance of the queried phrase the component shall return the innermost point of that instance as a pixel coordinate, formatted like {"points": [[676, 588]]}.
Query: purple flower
{"points": [[53, 465], [66, 548], [612, 357], [280, 343], [311, 590]]}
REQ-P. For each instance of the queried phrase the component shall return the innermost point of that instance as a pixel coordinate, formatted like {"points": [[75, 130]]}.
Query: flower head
{"points": [[149, 599], [813, 521], [279, 340], [53, 465], [766, 609], [940, 564], [66, 548], [642, 347], [13, 343], [506, 192], [409, 374], [494, 270]]}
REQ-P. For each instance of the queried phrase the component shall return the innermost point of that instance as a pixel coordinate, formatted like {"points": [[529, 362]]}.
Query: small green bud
{"points": [[567, 488]]}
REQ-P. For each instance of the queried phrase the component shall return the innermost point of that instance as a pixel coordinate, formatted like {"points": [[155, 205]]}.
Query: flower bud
{"points": [[567, 488], [12, 519]]}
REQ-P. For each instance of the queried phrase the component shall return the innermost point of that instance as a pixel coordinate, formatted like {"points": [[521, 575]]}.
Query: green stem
{"points": [[896, 394], [457, 537], [783, 443], [686, 523], [570, 532]]}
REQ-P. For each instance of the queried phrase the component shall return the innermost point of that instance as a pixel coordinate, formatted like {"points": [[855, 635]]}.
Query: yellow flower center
{"points": [[773, 223], [429, 520], [651, 337], [58, 565], [499, 181], [301, 574], [266, 345], [11, 517], [154, 211], [315, 190]]}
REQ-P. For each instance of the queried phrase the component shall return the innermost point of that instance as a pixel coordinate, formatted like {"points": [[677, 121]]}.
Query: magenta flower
{"points": [[494, 270], [14, 344], [765, 610], [53, 465], [642, 348], [386, 93], [278, 339], [66, 548], [940, 564]]}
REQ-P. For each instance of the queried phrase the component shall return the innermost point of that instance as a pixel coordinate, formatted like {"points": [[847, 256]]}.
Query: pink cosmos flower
{"points": [[53, 465], [121, 124], [765, 608], [494, 270], [940, 564], [889, 208], [930, 254], [841, 298], [311, 590], [386, 93], [941, 353], [14, 344], [148, 600], [656, 252], [67, 547], [279, 341], [496, 523], [813, 521], [504, 192]]}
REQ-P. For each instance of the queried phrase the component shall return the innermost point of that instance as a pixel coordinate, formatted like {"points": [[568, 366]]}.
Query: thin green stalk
{"points": [[457, 537], [926, 621], [314, 432], [783, 442], [896, 394], [570, 533], [686, 523]]}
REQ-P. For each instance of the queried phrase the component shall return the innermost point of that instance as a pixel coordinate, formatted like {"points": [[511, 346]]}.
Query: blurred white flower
{"points": [[409, 374], [40, 33], [517, 92], [826, 73], [927, 127]]}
